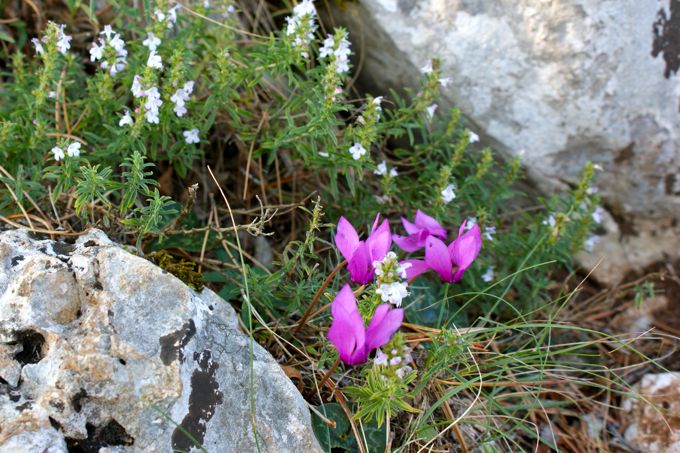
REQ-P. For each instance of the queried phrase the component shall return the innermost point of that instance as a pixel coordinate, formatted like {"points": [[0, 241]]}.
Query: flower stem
{"points": [[329, 372], [318, 296]]}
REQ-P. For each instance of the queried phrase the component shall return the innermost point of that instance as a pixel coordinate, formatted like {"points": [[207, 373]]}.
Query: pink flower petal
{"points": [[385, 322], [346, 238], [360, 265], [379, 241], [409, 243], [417, 267], [411, 228], [347, 331], [465, 250], [428, 223], [438, 259]]}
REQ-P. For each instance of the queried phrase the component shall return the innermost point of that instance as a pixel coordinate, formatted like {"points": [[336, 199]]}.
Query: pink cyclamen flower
{"points": [[353, 340], [418, 231], [449, 262], [361, 254]]}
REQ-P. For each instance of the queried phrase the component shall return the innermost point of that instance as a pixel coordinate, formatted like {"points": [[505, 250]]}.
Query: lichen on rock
{"points": [[101, 348]]}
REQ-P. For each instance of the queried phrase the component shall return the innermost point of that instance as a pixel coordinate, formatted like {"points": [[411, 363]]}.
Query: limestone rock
{"points": [[566, 81], [102, 350], [654, 427]]}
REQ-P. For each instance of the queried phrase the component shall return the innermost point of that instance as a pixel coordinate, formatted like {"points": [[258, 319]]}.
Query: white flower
{"points": [[126, 120], [38, 47], [474, 138], [598, 167], [118, 45], [305, 7], [394, 173], [598, 215], [52, 94], [181, 96], [152, 104], [73, 149], [108, 31], [380, 358], [590, 242], [448, 193], [172, 15], [445, 81], [97, 51], [382, 169], [357, 151], [488, 275], [58, 153], [550, 221], [592, 190], [427, 68], [301, 25], [340, 53], [489, 232], [328, 47], [431, 109], [377, 101], [471, 221], [158, 14], [323, 154], [137, 87], [154, 61], [393, 293], [191, 136], [63, 41]]}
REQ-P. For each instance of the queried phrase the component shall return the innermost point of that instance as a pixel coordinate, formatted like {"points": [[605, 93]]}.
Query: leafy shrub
{"points": [[92, 117]]}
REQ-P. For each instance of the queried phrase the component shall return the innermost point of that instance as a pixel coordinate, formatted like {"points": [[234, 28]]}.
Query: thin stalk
{"points": [[318, 296]]}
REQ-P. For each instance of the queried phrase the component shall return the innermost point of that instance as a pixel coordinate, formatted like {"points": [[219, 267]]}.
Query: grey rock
{"points": [[567, 81], [650, 417], [102, 349]]}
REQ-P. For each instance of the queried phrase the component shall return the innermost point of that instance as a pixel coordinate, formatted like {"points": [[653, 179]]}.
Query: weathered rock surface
{"points": [[654, 427], [102, 350], [568, 81]]}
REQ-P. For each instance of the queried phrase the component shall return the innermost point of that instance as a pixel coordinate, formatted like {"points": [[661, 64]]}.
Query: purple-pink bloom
{"points": [[418, 231], [361, 254], [449, 262], [349, 335]]}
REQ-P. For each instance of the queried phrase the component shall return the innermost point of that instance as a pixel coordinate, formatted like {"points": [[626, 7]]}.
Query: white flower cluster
{"points": [[73, 150], [301, 25], [394, 358], [340, 52], [170, 16], [382, 170], [153, 100], [116, 60], [448, 194], [63, 42], [391, 284], [180, 98]]}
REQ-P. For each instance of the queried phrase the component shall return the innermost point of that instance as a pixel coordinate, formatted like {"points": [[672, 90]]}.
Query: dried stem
{"points": [[318, 296]]}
